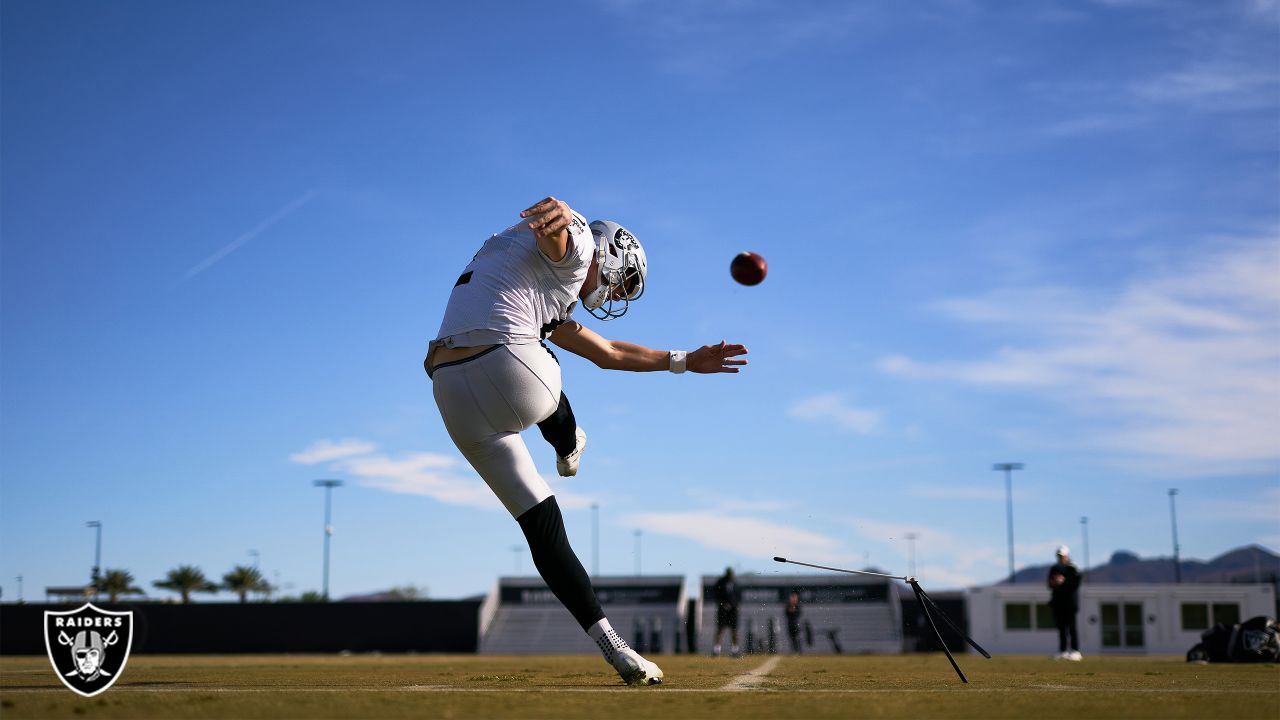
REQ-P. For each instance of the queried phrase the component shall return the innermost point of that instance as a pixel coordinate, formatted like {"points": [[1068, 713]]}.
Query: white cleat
{"points": [[634, 669], [567, 466], [1075, 655]]}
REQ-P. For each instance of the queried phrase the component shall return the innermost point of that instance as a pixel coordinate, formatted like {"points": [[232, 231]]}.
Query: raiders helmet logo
{"points": [[88, 646]]}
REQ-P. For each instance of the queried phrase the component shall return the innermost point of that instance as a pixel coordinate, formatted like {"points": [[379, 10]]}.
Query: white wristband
{"points": [[677, 361]]}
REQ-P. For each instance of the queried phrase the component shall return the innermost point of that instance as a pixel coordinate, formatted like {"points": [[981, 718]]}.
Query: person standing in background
{"points": [[793, 621], [727, 612], [1064, 599]]}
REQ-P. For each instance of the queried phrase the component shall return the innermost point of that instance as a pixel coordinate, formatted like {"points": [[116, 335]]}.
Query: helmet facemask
{"points": [[621, 267]]}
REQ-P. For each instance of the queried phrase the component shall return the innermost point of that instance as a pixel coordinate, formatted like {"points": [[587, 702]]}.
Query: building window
{"points": [[1133, 625], [1121, 625], [1226, 613], [1017, 616], [1195, 616], [1044, 617]]}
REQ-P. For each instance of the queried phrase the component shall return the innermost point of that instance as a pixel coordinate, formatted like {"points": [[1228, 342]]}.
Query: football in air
{"points": [[748, 268]]}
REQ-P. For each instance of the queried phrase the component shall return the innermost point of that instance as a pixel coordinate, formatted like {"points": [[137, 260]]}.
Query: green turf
{"points": [[392, 686]]}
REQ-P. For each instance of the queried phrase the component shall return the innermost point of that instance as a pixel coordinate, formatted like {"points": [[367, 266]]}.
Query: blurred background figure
{"points": [[1064, 586], [793, 621], [727, 612]]}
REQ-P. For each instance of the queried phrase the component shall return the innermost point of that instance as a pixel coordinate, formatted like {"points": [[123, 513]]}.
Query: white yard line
{"points": [[751, 680], [957, 688]]}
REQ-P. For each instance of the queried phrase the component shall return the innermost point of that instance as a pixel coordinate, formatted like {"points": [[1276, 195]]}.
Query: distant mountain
{"points": [[1246, 564]]}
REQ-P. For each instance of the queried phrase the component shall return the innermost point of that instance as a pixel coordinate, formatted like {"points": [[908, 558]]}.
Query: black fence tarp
{"points": [[421, 626]]}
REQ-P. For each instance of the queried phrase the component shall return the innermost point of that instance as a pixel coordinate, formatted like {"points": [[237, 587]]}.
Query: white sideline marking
{"points": [[957, 688], [751, 680]]}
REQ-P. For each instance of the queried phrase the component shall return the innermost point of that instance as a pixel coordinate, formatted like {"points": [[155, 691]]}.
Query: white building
{"points": [[1156, 619], [845, 614], [522, 617]]}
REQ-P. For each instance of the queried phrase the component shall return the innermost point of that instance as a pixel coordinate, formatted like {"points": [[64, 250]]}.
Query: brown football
{"points": [[748, 268]]}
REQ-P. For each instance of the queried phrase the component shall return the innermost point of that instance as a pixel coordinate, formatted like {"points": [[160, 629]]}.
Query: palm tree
{"points": [[186, 579], [243, 580], [116, 583]]}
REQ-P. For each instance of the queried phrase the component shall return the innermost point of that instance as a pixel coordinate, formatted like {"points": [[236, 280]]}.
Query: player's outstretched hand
{"points": [[550, 216], [716, 358]]}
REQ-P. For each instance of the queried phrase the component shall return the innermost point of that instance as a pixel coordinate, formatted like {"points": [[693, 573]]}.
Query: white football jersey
{"points": [[511, 293]]}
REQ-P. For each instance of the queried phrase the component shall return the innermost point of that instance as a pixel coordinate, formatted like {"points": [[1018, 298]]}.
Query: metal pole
{"points": [[328, 486], [1008, 469], [1084, 535], [595, 540], [254, 554], [637, 552], [1173, 518], [911, 554], [19, 588], [97, 555]]}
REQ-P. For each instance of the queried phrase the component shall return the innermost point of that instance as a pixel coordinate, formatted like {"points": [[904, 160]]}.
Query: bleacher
{"points": [[844, 614], [521, 616]]}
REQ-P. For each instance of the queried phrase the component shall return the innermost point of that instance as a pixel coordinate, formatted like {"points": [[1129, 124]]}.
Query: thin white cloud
{"points": [[1214, 86], [283, 212], [1182, 365], [832, 408], [440, 477], [1265, 507], [708, 40], [328, 450], [566, 498], [741, 535], [961, 492], [726, 503], [422, 473], [1091, 124]]}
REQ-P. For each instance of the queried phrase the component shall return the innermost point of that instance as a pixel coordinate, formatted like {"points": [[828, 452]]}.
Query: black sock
{"points": [[543, 527], [561, 428]]}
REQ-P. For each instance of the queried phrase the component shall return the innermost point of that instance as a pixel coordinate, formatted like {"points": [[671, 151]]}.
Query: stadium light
{"points": [[97, 555], [328, 486], [1084, 536], [637, 552], [1008, 469], [911, 553], [1173, 519]]}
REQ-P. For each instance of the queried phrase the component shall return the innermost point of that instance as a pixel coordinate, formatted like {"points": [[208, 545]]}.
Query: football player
{"points": [[493, 377]]}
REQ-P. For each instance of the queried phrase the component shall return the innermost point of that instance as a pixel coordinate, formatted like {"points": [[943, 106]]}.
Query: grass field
{"points": [[453, 686]]}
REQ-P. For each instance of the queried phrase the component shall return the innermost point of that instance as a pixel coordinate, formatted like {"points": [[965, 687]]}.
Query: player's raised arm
{"points": [[549, 219], [619, 355]]}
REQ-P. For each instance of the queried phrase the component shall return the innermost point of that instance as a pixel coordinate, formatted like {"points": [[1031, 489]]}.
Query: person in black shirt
{"points": [[793, 621], [726, 612], [1064, 599]]}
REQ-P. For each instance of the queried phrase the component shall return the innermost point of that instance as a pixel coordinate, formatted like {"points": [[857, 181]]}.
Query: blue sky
{"points": [[1045, 232]]}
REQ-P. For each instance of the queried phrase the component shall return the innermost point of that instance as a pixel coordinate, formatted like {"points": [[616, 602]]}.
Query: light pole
{"points": [[637, 552], [595, 540], [1084, 536], [97, 555], [1008, 469], [19, 589], [515, 559], [254, 554], [911, 553], [1173, 518], [328, 486]]}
